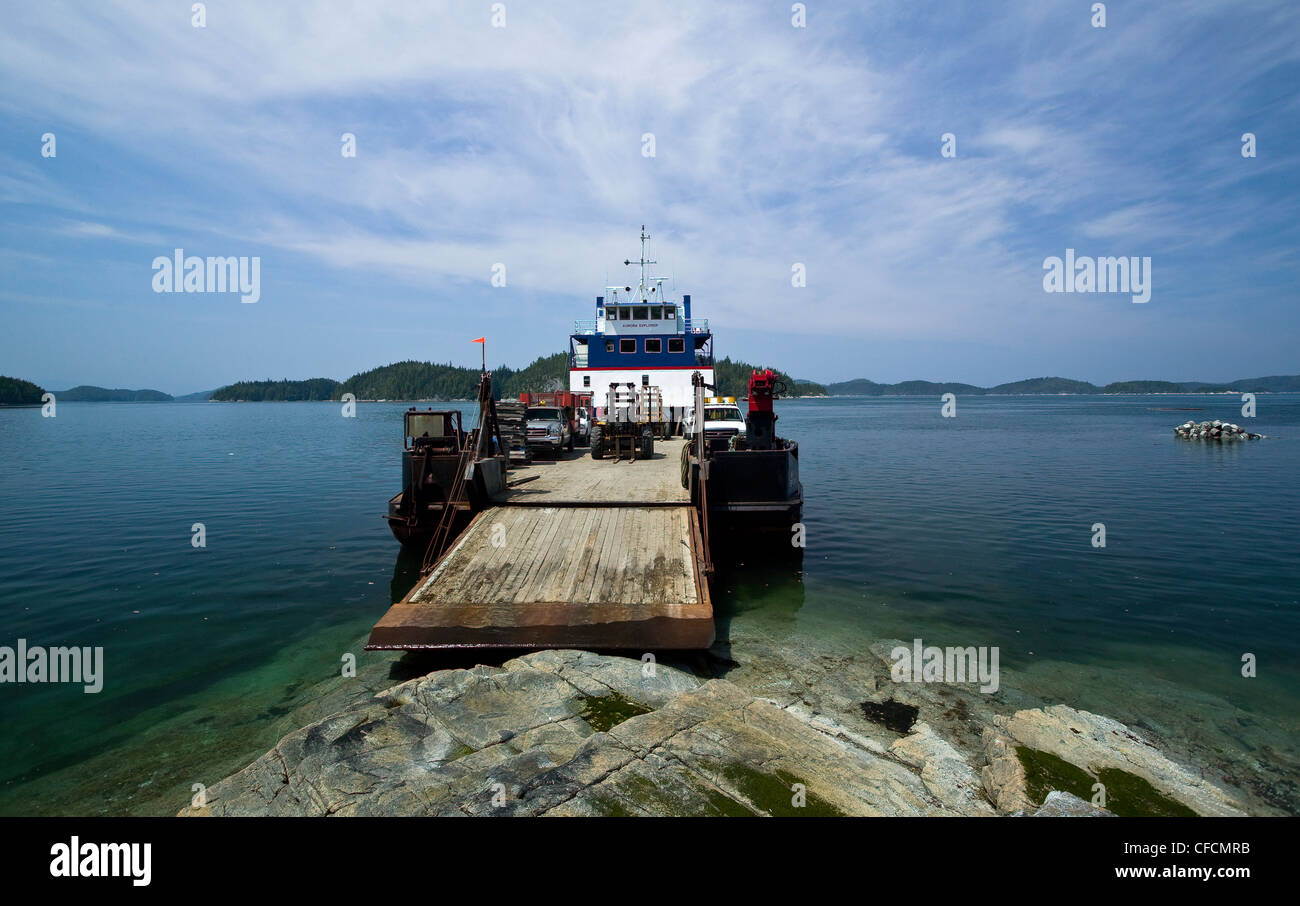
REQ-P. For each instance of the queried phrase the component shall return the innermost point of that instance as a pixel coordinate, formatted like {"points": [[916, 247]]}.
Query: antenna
{"points": [[643, 262]]}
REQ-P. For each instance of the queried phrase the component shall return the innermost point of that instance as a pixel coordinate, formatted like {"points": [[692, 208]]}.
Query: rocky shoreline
{"points": [[578, 733]]}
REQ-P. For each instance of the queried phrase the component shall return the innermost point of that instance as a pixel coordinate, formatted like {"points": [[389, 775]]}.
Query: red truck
{"points": [[556, 420]]}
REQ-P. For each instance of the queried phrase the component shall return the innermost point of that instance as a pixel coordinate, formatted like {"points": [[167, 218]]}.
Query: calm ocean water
{"points": [[971, 530]]}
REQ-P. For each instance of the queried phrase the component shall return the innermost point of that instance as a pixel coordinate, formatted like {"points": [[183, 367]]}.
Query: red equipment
{"points": [[764, 387], [762, 390]]}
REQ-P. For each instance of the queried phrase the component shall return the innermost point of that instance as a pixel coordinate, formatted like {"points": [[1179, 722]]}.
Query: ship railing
{"points": [[587, 326]]}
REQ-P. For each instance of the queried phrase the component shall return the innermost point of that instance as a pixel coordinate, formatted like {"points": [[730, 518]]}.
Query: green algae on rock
{"points": [[1126, 795], [605, 712], [777, 793], [1045, 772]]}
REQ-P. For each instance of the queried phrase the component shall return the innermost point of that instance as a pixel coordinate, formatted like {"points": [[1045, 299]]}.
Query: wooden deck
{"points": [[579, 480], [590, 554]]}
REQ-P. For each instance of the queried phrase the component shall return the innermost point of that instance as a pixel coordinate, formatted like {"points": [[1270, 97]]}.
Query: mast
{"points": [[643, 262]]}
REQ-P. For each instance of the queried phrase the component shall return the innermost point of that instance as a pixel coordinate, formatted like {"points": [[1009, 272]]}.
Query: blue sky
{"points": [[774, 145]]}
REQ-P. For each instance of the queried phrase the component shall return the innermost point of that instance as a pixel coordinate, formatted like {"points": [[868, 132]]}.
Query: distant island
{"points": [[412, 381], [1049, 385], [87, 394], [17, 392], [429, 381]]}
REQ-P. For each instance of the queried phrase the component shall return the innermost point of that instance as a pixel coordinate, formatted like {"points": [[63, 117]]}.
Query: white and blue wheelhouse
{"points": [[639, 336]]}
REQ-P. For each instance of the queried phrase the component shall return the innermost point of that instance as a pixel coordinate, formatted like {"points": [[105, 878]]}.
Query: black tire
{"points": [[597, 449]]}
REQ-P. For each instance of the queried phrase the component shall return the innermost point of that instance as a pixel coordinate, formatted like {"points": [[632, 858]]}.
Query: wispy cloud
{"points": [[774, 145]]}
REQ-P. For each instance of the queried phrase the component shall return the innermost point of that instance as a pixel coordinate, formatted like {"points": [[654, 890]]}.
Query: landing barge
{"points": [[601, 548], [745, 478], [448, 473]]}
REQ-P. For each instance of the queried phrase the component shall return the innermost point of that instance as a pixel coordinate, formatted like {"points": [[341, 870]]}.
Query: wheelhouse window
{"points": [[654, 345], [611, 314], [627, 345], [670, 312], [676, 344], [656, 312], [642, 312], [625, 313]]}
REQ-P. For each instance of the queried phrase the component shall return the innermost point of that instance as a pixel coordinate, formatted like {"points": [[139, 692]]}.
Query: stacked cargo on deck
{"points": [[510, 418]]}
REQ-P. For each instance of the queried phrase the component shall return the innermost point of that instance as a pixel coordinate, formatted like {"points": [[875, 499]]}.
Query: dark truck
{"points": [[551, 419], [548, 428]]}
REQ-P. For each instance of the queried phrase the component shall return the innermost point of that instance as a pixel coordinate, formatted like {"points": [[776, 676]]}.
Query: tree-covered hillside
{"points": [[89, 394], [428, 381], [1046, 385], [864, 387], [17, 392], [546, 373], [1143, 387], [412, 381], [856, 387], [277, 391], [732, 379]]}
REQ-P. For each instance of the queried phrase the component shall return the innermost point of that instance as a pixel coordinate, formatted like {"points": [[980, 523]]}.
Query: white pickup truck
{"points": [[722, 418]]}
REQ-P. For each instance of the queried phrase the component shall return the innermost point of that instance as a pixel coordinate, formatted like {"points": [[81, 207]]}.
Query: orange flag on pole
{"points": [[479, 340]]}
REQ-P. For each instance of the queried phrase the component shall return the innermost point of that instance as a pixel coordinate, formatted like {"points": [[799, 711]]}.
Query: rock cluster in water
{"points": [[1215, 430]]}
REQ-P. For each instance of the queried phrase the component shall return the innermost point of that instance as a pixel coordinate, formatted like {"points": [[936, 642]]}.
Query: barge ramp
{"points": [[584, 553]]}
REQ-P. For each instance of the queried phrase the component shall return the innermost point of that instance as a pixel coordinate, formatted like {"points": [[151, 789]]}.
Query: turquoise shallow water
{"points": [[972, 530]]}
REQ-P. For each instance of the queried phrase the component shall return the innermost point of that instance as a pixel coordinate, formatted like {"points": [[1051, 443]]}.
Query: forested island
{"points": [[431, 381], [269, 391], [412, 380], [17, 392], [733, 380], [89, 394], [864, 387]]}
